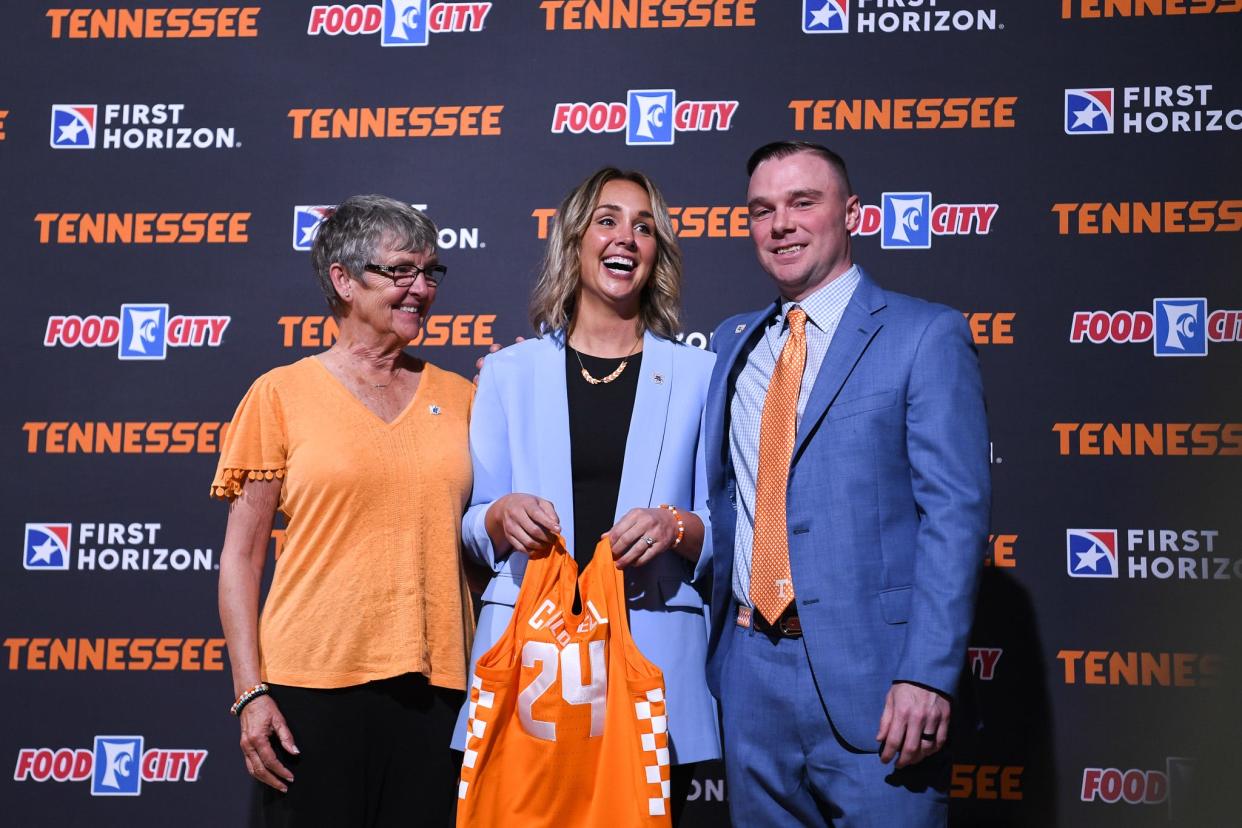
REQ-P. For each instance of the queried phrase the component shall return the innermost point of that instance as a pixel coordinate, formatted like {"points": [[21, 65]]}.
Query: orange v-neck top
{"points": [[369, 582]]}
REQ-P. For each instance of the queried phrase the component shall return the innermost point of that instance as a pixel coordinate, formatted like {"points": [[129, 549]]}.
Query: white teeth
{"points": [[624, 263], [793, 248], [407, 309]]}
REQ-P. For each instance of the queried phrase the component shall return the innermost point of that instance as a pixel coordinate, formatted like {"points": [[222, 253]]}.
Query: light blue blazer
{"points": [[519, 442], [889, 492]]}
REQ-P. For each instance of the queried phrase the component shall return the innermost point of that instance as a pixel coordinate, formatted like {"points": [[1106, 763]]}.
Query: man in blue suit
{"points": [[848, 530]]}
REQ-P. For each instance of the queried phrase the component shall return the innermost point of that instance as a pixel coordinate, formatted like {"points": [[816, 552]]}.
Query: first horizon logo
{"points": [[888, 16], [398, 22]]}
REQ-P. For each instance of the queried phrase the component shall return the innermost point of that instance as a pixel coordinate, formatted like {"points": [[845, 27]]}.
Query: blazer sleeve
{"points": [[947, 444], [489, 456], [703, 567]]}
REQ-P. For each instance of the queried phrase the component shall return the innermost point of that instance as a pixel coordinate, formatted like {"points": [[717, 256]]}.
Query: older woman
{"points": [[354, 672], [593, 429]]}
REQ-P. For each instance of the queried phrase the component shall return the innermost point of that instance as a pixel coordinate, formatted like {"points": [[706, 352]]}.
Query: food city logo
{"points": [[308, 217], [109, 547], [141, 332], [1175, 327], [1152, 109], [117, 766], [1136, 786], [4, 114], [648, 117], [1092, 9], [828, 115], [982, 661], [1149, 439], [1160, 554], [124, 437], [888, 16], [908, 221], [572, 15], [162, 23], [133, 126], [398, 22]]}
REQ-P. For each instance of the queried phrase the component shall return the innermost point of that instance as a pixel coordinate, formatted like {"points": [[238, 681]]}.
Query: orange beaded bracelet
{"points": [[681, 524]]}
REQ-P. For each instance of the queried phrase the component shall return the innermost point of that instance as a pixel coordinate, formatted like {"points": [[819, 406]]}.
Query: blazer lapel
{"points": [[854, 333], [551, 426], [648, 422]]}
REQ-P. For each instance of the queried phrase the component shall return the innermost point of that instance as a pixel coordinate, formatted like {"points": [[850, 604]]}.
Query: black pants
{"points": [[372, 756]]}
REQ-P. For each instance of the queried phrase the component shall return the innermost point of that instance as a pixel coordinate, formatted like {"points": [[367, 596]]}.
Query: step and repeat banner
{"points": [[1064, 172]]}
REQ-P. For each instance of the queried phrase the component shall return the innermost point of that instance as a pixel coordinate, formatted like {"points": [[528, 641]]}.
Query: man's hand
{"points": [[915, 724]]}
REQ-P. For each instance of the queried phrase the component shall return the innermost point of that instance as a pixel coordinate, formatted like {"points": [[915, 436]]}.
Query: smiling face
{"points": [[376, 303], [618, 248], [801, 218]]}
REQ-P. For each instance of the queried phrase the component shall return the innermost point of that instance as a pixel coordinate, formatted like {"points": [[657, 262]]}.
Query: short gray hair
{"points": [[357, 228]]}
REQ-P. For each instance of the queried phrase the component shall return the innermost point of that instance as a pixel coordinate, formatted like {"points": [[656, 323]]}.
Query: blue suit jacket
{"points": [[887, 506], [519, 442]]}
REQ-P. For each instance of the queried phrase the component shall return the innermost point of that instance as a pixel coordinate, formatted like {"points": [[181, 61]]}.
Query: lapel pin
{"points": [[434, 409], [657, 378], [739, 329]]}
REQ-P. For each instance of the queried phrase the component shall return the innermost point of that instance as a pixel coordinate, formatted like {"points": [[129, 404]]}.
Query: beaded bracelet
{"points": [[681, 524], [248, 696]]}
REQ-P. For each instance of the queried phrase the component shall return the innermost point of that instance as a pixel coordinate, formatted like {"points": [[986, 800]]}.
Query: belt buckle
{"points": [[790, 626]]}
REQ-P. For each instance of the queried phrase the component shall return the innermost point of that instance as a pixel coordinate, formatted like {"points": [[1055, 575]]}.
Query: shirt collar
{"points": [[826, 305]]}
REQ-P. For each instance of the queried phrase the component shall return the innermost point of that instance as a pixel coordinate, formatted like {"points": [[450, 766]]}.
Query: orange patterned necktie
{"points": [[771, 583]]}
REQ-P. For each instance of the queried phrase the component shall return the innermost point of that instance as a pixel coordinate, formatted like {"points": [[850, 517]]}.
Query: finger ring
{"points": [[650, 541], [929, 737]]}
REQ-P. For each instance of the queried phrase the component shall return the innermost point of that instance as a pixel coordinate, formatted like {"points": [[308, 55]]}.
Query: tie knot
{"points": [[797, 321]]}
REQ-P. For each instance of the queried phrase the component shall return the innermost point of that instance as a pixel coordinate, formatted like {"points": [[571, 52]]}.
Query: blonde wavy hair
{"points": [[556, 289]]}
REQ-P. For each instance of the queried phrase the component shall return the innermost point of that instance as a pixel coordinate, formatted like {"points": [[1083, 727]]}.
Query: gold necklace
{"points": [[586, 375]]}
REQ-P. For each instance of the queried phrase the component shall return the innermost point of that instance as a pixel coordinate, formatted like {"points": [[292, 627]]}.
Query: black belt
{"points": [[787, 626]]}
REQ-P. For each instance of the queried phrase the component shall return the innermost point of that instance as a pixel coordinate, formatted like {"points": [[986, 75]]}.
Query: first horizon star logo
{"points": [[306, 221], [825, 16], [73, 126], [47, 546], [1091, 553], [1088, 111]]}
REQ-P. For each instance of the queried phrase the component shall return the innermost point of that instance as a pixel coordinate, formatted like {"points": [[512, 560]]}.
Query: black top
{"points": [[599, 423]]}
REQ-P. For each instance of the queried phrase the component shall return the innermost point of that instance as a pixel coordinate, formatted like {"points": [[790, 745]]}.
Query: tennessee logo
{"points": [[1088, 111]]}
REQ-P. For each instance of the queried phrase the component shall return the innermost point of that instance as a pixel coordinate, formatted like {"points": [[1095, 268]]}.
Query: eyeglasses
{"points": [[405, 275]]}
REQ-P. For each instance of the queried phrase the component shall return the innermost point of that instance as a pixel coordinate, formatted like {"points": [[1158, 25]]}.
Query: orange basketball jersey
{"points": [[567, 725]]}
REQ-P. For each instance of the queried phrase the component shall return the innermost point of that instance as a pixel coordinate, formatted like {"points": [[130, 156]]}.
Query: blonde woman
{"points": [[593, 429]]}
